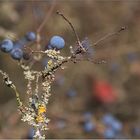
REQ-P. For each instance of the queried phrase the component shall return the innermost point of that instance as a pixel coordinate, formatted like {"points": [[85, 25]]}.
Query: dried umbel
{"points": [[35, 112]]}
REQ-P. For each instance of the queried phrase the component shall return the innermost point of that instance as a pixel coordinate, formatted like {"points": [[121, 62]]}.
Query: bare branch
{"points": [[72, 27], [109, 35]]}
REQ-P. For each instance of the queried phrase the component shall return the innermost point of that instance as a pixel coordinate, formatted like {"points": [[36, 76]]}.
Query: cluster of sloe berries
{"points": [[15, 49], [113, 128]]}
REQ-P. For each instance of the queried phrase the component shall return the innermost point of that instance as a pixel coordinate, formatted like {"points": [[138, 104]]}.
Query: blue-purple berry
{"points": [[57, 42], [26, 56], [109, 133], [17, 54], [30, 36], [117, 126], [71, 93], [89, 126], [108, 119], [6, 45]]}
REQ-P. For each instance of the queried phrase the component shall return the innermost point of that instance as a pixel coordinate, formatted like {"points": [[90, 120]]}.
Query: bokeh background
{"points": [[88, 100]]}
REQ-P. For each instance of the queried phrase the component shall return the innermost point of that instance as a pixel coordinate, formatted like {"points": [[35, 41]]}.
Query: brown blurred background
{"points": [[84, 93]]}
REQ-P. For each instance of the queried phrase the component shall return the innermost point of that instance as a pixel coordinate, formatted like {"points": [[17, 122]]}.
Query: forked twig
{"points": [[98, 41]]}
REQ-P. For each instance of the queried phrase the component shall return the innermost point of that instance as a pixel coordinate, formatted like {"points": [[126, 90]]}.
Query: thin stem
{"points": [[46, 18], [36, 84], [39, 52], [72, 27], [33, 13], [108, 36], [11, 85], [17, 95], [39, 29]]}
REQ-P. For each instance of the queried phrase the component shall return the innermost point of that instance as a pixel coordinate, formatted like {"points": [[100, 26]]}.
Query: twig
{"points": [[109, 35], [11, 85], [72, 27], [47, 17]]}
